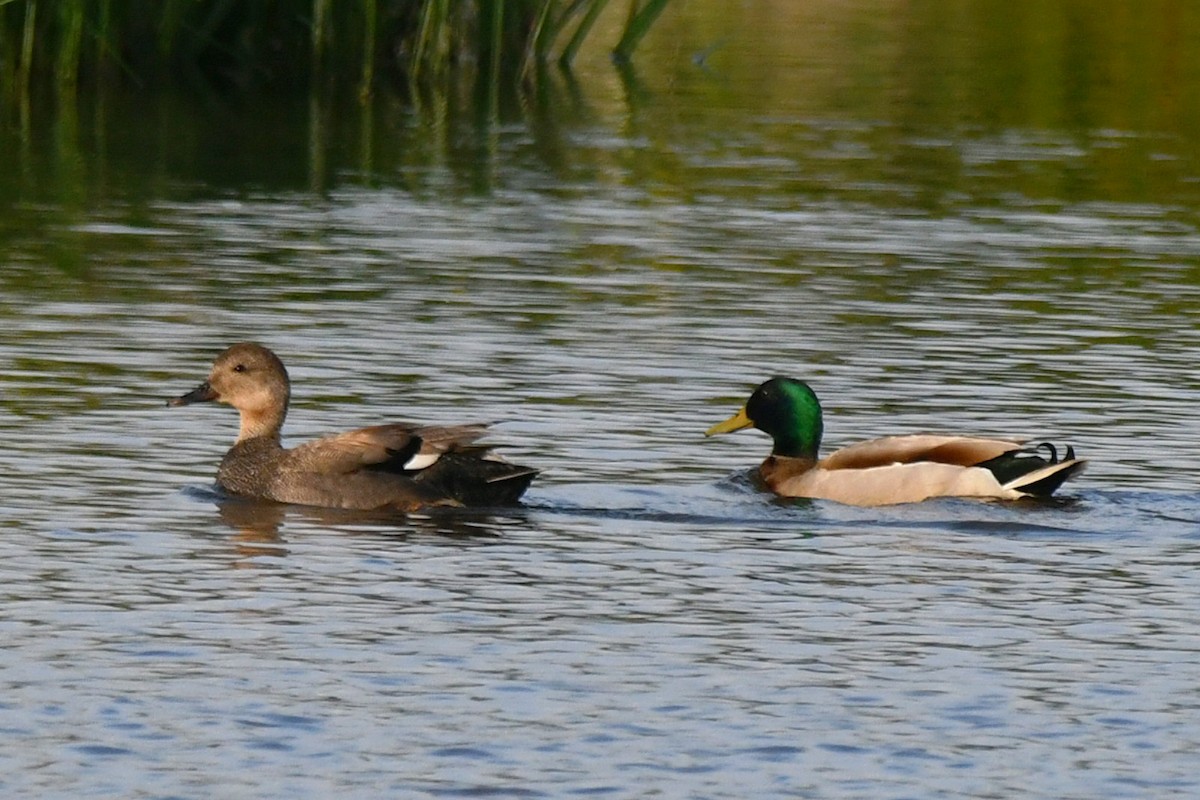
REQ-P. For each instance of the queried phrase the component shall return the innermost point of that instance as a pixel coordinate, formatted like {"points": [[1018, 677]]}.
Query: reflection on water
{"points": [[647, 621], [258, 525]]}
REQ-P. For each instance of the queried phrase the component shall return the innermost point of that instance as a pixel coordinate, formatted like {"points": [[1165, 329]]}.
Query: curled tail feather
{"points": [[1036, 471]]}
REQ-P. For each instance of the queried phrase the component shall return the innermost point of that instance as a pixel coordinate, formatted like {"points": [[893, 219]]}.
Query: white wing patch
{"points": [[422, 461]]}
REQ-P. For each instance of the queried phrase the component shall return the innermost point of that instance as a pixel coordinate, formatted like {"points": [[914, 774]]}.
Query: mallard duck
{"points": [[893, 469], [398, 466]]}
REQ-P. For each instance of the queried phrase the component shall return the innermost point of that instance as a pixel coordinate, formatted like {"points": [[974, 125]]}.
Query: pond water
{"points": [[959, 242]]}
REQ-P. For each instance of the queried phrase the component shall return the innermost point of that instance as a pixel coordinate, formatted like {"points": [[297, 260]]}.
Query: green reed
{"points": [[242, 43]]}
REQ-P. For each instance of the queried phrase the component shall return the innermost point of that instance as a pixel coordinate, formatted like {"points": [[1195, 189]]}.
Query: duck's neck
{"points": [[799, 443], [265, 424]]}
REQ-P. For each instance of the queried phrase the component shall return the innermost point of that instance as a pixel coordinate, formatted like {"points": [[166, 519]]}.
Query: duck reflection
{"points": [[258, 524], [255, 524]]}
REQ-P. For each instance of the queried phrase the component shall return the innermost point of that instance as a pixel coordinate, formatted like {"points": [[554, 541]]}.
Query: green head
{"points": [[785, 409]]}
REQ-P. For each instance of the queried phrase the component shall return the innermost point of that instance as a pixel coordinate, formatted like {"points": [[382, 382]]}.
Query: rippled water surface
{"points": [[647, 624]]}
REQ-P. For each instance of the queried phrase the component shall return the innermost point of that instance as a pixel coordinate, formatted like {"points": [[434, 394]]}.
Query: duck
{"points": [[399, 466], [892, 469]]}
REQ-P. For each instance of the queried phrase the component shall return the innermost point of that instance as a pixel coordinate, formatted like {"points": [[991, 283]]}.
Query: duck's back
{"points": [[964, 451]]}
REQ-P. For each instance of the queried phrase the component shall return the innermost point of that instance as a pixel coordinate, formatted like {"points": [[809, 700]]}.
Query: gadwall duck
{"points": [[398, 466], [893, 469]]}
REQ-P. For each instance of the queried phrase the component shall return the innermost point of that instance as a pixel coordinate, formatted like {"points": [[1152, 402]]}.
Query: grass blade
{"points": [[639, 22]]}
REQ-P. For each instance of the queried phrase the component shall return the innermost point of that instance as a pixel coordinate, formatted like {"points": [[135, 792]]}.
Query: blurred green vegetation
{"points": [[262, 43], [938, 108], [929, 104]]}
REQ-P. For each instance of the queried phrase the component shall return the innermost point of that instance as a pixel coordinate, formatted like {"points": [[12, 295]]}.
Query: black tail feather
{"points": [[475, 481], [1012, 465], [1049, 484]]}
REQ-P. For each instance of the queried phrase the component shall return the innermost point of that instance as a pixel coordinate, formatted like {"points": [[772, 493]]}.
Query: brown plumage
{"points": [[400, 466]]}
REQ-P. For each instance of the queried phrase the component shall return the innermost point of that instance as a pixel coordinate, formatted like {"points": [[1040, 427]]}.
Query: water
{"points": [[646, 625]]}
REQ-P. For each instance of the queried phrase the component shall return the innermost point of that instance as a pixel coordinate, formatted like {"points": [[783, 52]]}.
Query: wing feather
{"points": [[963, 451], [396, 447]]}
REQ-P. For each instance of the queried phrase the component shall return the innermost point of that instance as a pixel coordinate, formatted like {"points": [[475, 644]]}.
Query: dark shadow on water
{"points": [[262, 522]]}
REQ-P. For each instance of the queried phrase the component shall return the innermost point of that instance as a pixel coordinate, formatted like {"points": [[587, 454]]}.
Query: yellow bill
{"points": [[734, 423]]}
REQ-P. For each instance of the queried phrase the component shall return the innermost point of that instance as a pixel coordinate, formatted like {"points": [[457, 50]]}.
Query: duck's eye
{"points": [[240, 368]]}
